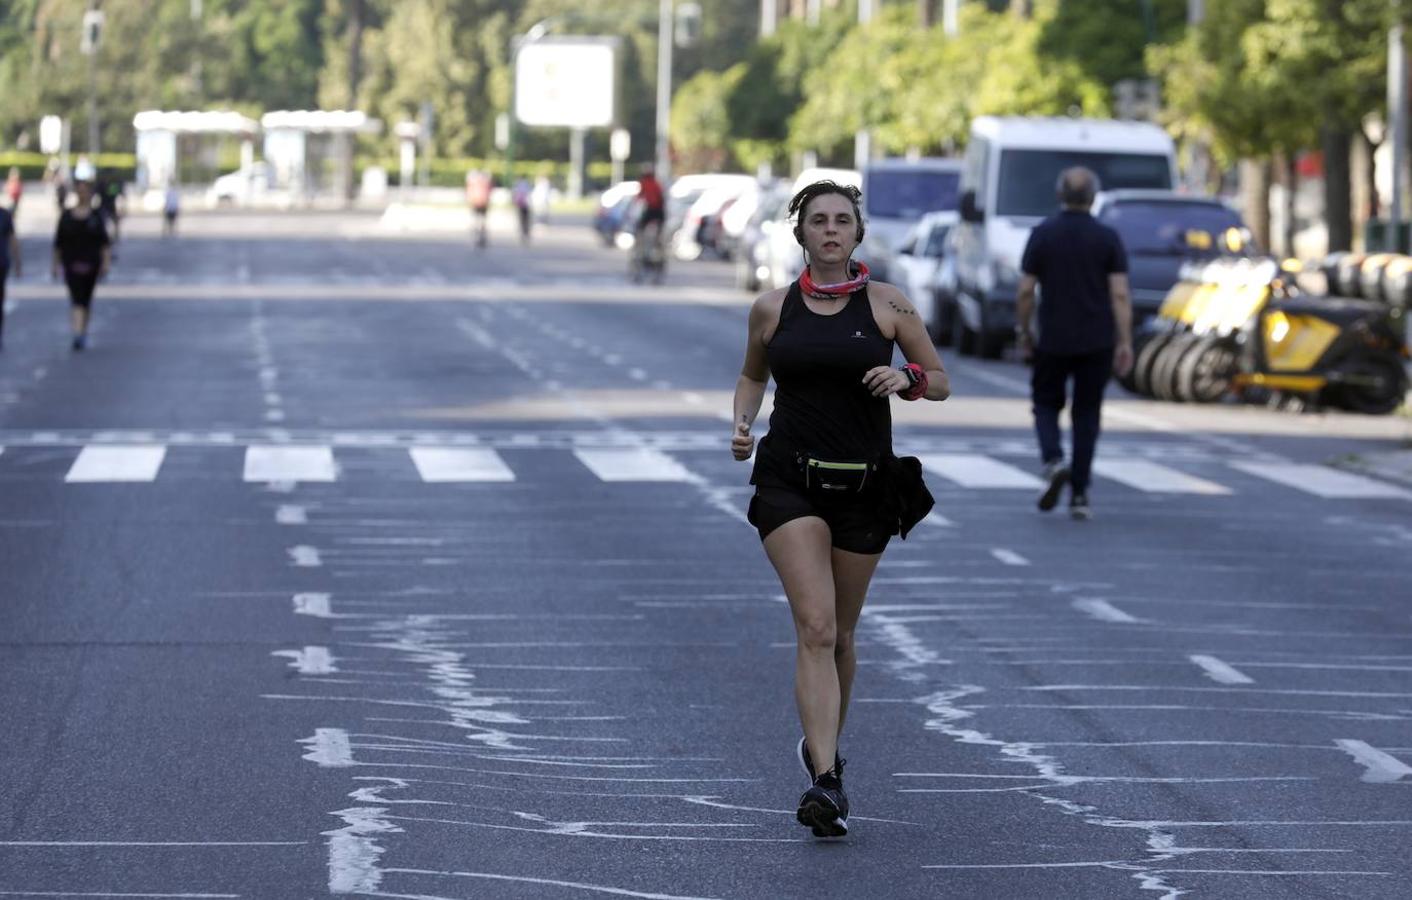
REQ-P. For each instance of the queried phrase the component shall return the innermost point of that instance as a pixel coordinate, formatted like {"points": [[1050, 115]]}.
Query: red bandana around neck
{"points": [[835, 291]]}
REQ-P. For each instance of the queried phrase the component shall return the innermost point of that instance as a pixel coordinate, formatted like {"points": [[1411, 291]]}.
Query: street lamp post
{"points": [[666, 15]]}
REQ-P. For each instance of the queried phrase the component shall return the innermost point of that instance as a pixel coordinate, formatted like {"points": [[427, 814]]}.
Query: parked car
{"points": [[1008, 186], [687, 189], [613, 207], [896, 194], [241, 186], [1163, 230], [752, 267], [697, 232], [916, 267]]}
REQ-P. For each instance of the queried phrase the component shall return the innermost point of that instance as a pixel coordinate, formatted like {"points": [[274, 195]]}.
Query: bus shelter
{"points": [[312, 150], [177, 147]]}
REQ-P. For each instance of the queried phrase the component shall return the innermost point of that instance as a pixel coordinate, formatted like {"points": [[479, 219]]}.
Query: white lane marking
{"points": [[633, 464], [264, 462], [1104, 611], [275, 415], [1321, 481], [1382, 768], [316, 605], [103, 893], [1156, 478], [973, 470], [305, 557], [290, 514], [329, 747], [443, 464], [525, 879], [310, 660], [1009, 557], [936, 518], [124, 462], [352, 852], [156, 844], [1220, 671], [637, 374]]}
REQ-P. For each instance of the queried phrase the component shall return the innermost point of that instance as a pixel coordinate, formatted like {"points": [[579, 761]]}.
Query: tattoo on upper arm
{"points": [[902, 309]]}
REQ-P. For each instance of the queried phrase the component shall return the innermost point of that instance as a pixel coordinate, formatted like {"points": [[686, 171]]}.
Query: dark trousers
{"points": [[1048, 389], [4, 274]]}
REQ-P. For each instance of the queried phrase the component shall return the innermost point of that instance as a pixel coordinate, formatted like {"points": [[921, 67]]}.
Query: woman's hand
{"points": [[742, 444], [883, 381]]}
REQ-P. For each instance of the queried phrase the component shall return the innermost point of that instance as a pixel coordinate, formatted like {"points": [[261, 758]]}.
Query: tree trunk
{"points": [[926, 13], [1255, 198], [1338, 184], [355, 50], [1021, 8], [1291, 189]]}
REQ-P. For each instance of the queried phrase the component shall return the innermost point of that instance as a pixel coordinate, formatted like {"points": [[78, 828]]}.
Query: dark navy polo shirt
{"points": [[1072, 254], [7, 228]]}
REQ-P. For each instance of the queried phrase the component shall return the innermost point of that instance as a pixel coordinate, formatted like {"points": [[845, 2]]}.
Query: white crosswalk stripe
{"points": [[1156, 478], [268, 463], [118, 462], [455, 464], [973, 470], [632, 464], [1322, 481], [137, 461]]}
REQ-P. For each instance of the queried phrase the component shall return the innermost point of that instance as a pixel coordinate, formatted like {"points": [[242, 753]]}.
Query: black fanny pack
{"points": [[834, 477]]}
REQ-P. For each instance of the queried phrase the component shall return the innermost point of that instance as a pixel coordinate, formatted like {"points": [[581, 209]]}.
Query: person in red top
{"points": [[478, 188], [654, 202]]}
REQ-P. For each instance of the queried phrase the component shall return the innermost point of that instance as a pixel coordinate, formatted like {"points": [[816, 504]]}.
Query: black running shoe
{"points": [[806, 760], [1056, 475], [80, 341], [1079, 508], [824, 807]]}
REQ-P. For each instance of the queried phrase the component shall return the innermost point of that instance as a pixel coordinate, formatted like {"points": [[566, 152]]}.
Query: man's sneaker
{"points": [[806, 761], [1056, 475], [824, 807], [80, 341], [1079, 508]]}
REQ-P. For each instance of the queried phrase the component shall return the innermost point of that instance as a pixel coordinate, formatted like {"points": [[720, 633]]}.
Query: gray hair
{"points": [[1076, 186]]}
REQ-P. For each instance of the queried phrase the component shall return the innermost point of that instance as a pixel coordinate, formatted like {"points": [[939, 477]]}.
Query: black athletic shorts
{"points": [[81, 288], [856, 523]]}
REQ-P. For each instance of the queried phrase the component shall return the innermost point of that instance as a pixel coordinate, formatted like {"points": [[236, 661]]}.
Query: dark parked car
{"points": [[1161, 230]]}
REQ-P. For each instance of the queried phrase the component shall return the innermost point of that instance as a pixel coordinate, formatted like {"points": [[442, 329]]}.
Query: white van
{"points": [[1007, 187], [897, 193]]}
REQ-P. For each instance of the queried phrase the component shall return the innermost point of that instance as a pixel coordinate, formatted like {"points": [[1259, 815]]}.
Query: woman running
{"points": [[829, 493], [82, 252]]}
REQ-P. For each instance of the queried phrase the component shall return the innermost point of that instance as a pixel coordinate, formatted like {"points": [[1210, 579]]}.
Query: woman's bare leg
{"points": [[852, 573], [800, 552]]}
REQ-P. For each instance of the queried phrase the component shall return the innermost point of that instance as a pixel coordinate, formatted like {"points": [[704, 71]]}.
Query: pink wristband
{"points": [[918, 390]]}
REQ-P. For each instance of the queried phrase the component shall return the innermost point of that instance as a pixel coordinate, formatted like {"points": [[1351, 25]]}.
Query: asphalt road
{"points": [[351, 561]]}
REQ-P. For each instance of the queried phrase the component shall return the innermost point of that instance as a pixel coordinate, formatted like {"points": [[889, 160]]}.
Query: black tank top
{"points": [[821, 406]]}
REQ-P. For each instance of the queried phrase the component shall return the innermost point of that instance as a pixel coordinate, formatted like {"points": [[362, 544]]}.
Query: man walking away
{"points": [[1085, 331]]}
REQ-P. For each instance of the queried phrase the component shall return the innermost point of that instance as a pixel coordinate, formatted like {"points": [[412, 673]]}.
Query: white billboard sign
{"points": [[565, 83]]}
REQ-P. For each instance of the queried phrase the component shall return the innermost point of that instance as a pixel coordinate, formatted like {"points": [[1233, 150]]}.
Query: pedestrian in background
{"points": [[829, 493], [1085, 331], [171, 209], [82, 253], [14, 188], [9, 257], [541, 197], [520, 194], [478, 188]]}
